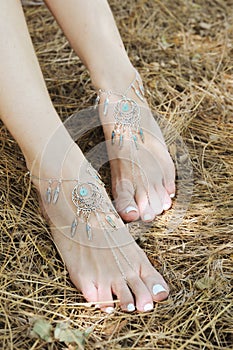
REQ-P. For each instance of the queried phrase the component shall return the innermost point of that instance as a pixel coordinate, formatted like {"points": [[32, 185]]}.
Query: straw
{"points": [[183, 50]]}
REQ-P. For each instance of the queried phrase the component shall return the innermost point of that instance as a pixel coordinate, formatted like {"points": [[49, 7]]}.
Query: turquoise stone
{"points": [[89, 233], [135, 141], [141, 134], [110, 221], [121, 141], [125, 107], [74, 227], [83, 192], [48, 195], [113, 137]]}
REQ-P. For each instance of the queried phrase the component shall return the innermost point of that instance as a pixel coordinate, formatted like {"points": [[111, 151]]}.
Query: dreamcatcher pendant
{"points": [[89, 200], [126, 113], [127, 121]]}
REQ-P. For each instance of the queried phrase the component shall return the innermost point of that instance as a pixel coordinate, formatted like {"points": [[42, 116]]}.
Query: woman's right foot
{"points": [[142, 171], [107, 264]]}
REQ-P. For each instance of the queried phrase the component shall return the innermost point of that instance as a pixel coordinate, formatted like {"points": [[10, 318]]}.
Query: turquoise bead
{"points": [[113, 137], [125, 107], [83, 192], [110, 221], [141, 134]]}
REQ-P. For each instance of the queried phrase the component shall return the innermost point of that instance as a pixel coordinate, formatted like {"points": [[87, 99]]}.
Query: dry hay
{"points": [[183, 49]]}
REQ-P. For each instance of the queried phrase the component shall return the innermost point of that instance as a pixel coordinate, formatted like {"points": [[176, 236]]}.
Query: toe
{"points": [[88, 289], [170, 188], [123, 293], [130, 213], [124, 200], [105, 298], [143, 297], [90, 293], [157, 287], [155, 283], [148, 209], [160, 292], [169, 176], [164, 196], [167, 202]]}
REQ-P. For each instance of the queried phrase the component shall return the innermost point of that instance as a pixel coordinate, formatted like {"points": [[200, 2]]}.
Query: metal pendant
{"points": [[141, 87], [49, 193], [141, 133], [114, 212], [74, 227], [138, 93], [56, 193], [89, 232], [110, 221], [106, 103], [121, 141], [113, 137], [135, 139], [97, 100]]}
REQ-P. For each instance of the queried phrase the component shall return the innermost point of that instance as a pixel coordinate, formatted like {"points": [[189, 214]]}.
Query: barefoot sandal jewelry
{"points": [[127, 121], [88, 200], [126, 112]]}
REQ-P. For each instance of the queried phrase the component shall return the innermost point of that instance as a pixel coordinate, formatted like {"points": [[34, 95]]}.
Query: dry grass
{"points": [[183, 49]]}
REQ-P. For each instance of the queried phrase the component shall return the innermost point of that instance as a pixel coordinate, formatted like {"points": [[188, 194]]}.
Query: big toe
{"points": [[124, 201]]}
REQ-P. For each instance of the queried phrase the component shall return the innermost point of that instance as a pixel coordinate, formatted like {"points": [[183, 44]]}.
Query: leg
{"points": [[91, 30], [27, 111]]}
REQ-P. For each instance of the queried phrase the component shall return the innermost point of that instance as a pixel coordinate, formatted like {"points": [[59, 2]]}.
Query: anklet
{"points": [[126, 112], [87, 198], [127, 118]]}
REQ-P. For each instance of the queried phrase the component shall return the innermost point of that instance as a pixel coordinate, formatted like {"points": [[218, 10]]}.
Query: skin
{"points": [[27, 111]]}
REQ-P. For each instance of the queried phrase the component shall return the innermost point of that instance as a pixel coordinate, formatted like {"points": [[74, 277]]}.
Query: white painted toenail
{"points": [[172, 195], [147, 217], [131, 307], [129, 209], [109, 310], [148, 307], [97, 306], [157, 288], [166, 206]]}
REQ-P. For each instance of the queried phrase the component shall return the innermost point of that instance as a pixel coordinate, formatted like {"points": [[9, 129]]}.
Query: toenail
{"points": [[166, 206], [130, 307], [129, 209], [109, 310], [157, 288], [148, 307], [147, 217], [172, 195], [97, 306]]}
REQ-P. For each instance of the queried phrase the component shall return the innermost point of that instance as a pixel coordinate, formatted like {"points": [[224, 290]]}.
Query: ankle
{"points": [[62, 159], [115, 78], [131, 97]]}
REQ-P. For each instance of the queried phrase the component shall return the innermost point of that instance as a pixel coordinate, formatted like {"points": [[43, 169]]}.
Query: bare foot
{"points": [[102, 258], [143, 174]]}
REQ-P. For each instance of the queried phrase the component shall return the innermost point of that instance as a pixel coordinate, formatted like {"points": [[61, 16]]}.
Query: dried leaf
{"points": [[68, 335], [88, 331], [42, 328], [205, 283]]}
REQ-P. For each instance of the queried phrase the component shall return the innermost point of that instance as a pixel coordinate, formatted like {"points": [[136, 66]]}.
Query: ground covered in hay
{"points": [[183, 49]]}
